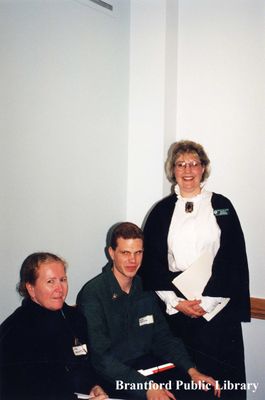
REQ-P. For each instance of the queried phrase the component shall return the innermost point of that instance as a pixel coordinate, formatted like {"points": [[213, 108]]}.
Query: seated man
{"points": [[127, 329]]}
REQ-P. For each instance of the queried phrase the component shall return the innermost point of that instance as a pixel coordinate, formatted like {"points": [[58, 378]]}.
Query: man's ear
{"points": [[111, 252]]}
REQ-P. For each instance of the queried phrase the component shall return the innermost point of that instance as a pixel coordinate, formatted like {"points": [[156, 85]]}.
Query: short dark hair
{"points": [[125, 230], [29, 270]]}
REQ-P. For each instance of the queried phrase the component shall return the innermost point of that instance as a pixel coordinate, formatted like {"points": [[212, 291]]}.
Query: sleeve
{"points": [[103, 358], [85, 376], [13, 365], [230, 276], [166, 346], [170, 299], [19, 374], [155, 272]]}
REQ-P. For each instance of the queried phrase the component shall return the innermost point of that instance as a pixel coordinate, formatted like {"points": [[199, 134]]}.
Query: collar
{"points": [[114, 286], [202, 195], [34, 307]]}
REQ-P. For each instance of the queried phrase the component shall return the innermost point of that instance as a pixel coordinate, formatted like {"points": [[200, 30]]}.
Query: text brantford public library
{"points": [[178, 384]]}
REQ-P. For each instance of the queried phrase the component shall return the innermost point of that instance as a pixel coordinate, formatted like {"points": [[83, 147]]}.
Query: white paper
{"points": [[193, 280], [156, 370], [88, 396]]}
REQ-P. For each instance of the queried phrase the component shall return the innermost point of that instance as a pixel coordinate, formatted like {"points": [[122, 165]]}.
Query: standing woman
{"points": [[43, 352], [180, 229]]}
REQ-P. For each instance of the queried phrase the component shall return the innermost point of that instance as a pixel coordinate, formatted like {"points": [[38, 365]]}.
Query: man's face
{"points": [[127, 257]]}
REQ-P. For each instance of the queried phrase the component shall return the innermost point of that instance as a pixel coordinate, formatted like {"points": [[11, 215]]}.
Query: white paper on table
{"points": [[83, 395], [88, 396], [156, 369], [193, 280]]}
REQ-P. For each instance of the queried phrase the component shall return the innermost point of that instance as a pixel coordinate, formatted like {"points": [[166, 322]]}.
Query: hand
{"points": [[98, 393], [191, 308], [205, 381], [159, 394]]}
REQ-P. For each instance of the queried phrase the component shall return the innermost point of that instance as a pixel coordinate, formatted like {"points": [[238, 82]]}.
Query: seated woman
{"points": [[44, 355]]}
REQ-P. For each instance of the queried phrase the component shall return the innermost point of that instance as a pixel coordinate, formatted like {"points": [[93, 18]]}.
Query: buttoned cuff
{"points": [[170, 299]]}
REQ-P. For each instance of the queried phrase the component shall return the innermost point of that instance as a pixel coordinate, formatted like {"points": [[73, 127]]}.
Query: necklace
{"points": [[189, 207]]}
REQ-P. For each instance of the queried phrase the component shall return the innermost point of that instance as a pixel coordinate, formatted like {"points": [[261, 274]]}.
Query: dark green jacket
{"points": [[115, 331]]}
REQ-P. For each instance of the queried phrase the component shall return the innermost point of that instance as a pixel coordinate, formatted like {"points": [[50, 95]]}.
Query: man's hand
{"points": [[154, 393], [204, 381], [98, 393]]}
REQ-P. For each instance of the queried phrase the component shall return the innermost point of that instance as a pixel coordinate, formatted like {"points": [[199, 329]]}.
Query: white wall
{"points": [[221, 97], [196, 71], [63, 131], [152, 104], [146, 111], [217, 98]]}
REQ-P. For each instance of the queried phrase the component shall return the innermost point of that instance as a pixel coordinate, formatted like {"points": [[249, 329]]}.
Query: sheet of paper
{"points": [[156, 369], [193, 280], [88, 396], [217, 309]]}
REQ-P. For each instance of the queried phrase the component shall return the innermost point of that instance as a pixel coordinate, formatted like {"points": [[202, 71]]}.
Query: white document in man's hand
{"points": [[193, 280]]}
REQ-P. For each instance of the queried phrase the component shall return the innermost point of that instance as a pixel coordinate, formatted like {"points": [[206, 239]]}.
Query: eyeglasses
{"points": [[181, 165]]}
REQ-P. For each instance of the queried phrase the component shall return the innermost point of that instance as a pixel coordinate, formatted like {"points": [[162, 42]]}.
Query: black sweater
{"points": [[37, 359]]}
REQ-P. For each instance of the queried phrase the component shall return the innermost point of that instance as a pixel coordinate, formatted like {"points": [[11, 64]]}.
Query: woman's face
{"points": [[51, 287], [188, 173]]}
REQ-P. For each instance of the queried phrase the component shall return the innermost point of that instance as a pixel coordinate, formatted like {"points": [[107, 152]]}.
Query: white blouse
{"points": [[190, 235]]}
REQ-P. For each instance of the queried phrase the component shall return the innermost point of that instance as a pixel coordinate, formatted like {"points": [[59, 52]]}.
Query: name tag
{"points": [[148, 319], [221, 211], [80, 350]]}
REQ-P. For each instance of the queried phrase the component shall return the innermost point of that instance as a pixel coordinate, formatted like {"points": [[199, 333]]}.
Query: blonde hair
{"points": [[182, 147]]}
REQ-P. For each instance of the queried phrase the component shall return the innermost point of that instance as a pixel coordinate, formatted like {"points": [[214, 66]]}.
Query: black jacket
{"points": [[37, 360], [230, 268]]}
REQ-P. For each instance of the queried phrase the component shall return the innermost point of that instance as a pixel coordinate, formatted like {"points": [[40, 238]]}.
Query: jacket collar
{"points": [[114, 286]]}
